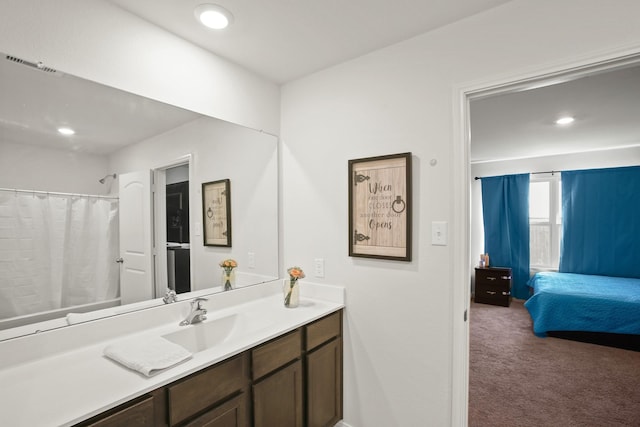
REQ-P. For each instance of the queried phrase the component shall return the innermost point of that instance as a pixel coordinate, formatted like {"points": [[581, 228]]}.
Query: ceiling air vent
{"points": [[38, 66]]}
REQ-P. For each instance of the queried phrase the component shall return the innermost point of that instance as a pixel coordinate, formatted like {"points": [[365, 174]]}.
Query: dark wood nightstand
{"points": [[493, 286]]}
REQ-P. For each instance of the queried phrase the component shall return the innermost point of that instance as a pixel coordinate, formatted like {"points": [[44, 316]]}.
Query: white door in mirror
{"points": [[136, 270]]}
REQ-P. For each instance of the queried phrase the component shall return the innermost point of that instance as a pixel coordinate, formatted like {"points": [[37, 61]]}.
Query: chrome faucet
{"points": [[197, 313], [170, 296]]}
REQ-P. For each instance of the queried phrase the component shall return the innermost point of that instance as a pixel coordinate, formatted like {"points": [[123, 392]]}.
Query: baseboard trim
{"points": [[342, 424]]}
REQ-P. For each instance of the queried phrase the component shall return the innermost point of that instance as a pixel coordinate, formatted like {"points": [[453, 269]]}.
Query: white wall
{"points": [[98, 41], [399, 357], [29, 167], [221, 150]]}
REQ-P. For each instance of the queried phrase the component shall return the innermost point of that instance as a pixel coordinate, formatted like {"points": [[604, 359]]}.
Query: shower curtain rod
{"points": [[531, 173], [55, 193]]}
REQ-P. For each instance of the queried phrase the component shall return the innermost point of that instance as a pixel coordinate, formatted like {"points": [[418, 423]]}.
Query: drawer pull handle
{"points": [[506, 277], [504, 293], [491, 278]]}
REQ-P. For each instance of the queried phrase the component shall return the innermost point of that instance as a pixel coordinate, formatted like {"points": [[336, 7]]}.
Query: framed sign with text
{"points": [[216, 213], [380, 207]]}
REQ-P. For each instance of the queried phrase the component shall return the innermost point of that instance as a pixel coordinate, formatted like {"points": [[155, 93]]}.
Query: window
{"points": [[545, 221]]}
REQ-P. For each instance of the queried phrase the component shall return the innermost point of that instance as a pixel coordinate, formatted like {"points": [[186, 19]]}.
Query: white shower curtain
{"points": [[56, 251]]}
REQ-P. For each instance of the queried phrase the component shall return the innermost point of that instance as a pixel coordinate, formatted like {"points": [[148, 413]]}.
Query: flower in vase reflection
{"points": [[228, 265]]}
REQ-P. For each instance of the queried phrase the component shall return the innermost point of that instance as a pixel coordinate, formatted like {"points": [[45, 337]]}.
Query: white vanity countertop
{"points": [[69, 387]]}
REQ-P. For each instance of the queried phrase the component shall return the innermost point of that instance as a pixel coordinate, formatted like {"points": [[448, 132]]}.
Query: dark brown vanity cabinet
{"points": [[293, 380], [324, 371], [277, 382], [232, 413], [298, 377], [277, 399], [216, 396], [138, 413]]}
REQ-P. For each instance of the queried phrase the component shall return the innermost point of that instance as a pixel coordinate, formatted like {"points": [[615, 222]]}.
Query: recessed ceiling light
{"points": [[213, 16], [565, 120], [66, 131]]}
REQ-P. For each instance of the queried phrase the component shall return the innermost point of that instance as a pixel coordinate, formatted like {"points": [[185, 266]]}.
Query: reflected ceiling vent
{"points": [[37, 65]]}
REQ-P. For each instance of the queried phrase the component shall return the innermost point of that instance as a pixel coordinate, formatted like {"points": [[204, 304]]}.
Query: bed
{"points": [[585, 303]]}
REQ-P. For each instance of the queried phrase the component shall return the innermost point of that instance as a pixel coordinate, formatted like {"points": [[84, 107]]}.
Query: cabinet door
{"points": [[324, 385], [277, 399], [230, 414]]}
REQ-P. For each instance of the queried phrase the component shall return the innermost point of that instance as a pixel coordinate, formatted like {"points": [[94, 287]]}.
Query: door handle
{"points": [[119, 260]]}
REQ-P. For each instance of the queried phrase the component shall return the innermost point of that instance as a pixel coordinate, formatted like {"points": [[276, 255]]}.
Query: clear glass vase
{"points": [[228, 279], [291, 291]]}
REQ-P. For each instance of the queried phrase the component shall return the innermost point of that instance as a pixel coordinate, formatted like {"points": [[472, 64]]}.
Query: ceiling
{"points": [[286, 39], [605, 105], [283, 40], [278, 39], [34, 103]]}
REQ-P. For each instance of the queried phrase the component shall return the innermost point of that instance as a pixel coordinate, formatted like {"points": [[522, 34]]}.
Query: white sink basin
{"points": [[204, 335]]}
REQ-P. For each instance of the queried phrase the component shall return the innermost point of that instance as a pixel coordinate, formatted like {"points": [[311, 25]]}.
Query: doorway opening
{"points": [[177, 229], [470, 188], [173, 258]]}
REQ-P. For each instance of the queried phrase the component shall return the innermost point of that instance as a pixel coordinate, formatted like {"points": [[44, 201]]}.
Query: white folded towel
{"points": [[147, 356]]}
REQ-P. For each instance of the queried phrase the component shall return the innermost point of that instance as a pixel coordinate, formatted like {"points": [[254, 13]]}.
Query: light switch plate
{"points": [[439, 234]]}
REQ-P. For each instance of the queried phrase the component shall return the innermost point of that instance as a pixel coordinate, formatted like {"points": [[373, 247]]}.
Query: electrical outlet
{"points": [[251, 260], [319, 267]]}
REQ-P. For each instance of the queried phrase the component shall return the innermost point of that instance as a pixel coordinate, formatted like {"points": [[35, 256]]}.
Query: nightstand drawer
{"points": [[491, 295], [496, 276], [497, 284]]}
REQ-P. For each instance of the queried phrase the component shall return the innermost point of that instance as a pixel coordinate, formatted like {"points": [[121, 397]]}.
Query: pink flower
{"points": [[295, 273]]}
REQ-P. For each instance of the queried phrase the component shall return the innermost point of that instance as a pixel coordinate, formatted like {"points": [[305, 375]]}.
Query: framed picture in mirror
{"points": [[380, 207], [216, 213]]}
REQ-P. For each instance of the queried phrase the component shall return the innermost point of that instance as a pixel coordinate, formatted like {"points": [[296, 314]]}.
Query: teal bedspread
{"points": [[579, 302]]}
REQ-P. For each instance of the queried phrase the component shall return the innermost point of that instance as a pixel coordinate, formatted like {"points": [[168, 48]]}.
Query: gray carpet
{"points": [[518, 380]]}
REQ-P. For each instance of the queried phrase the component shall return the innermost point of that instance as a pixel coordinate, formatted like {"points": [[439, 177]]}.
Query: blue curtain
{"points": [[505, 207], [601, 222]]}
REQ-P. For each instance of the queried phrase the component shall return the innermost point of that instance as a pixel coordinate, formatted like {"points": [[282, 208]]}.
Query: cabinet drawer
{"points": [[491, 274], [323, 330], [489, 294], [276, 353], [139, 414], [202, 390], [498, 278]]}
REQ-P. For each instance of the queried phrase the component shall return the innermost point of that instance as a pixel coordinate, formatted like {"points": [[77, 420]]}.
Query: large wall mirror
{"points": [[70, 228]]}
